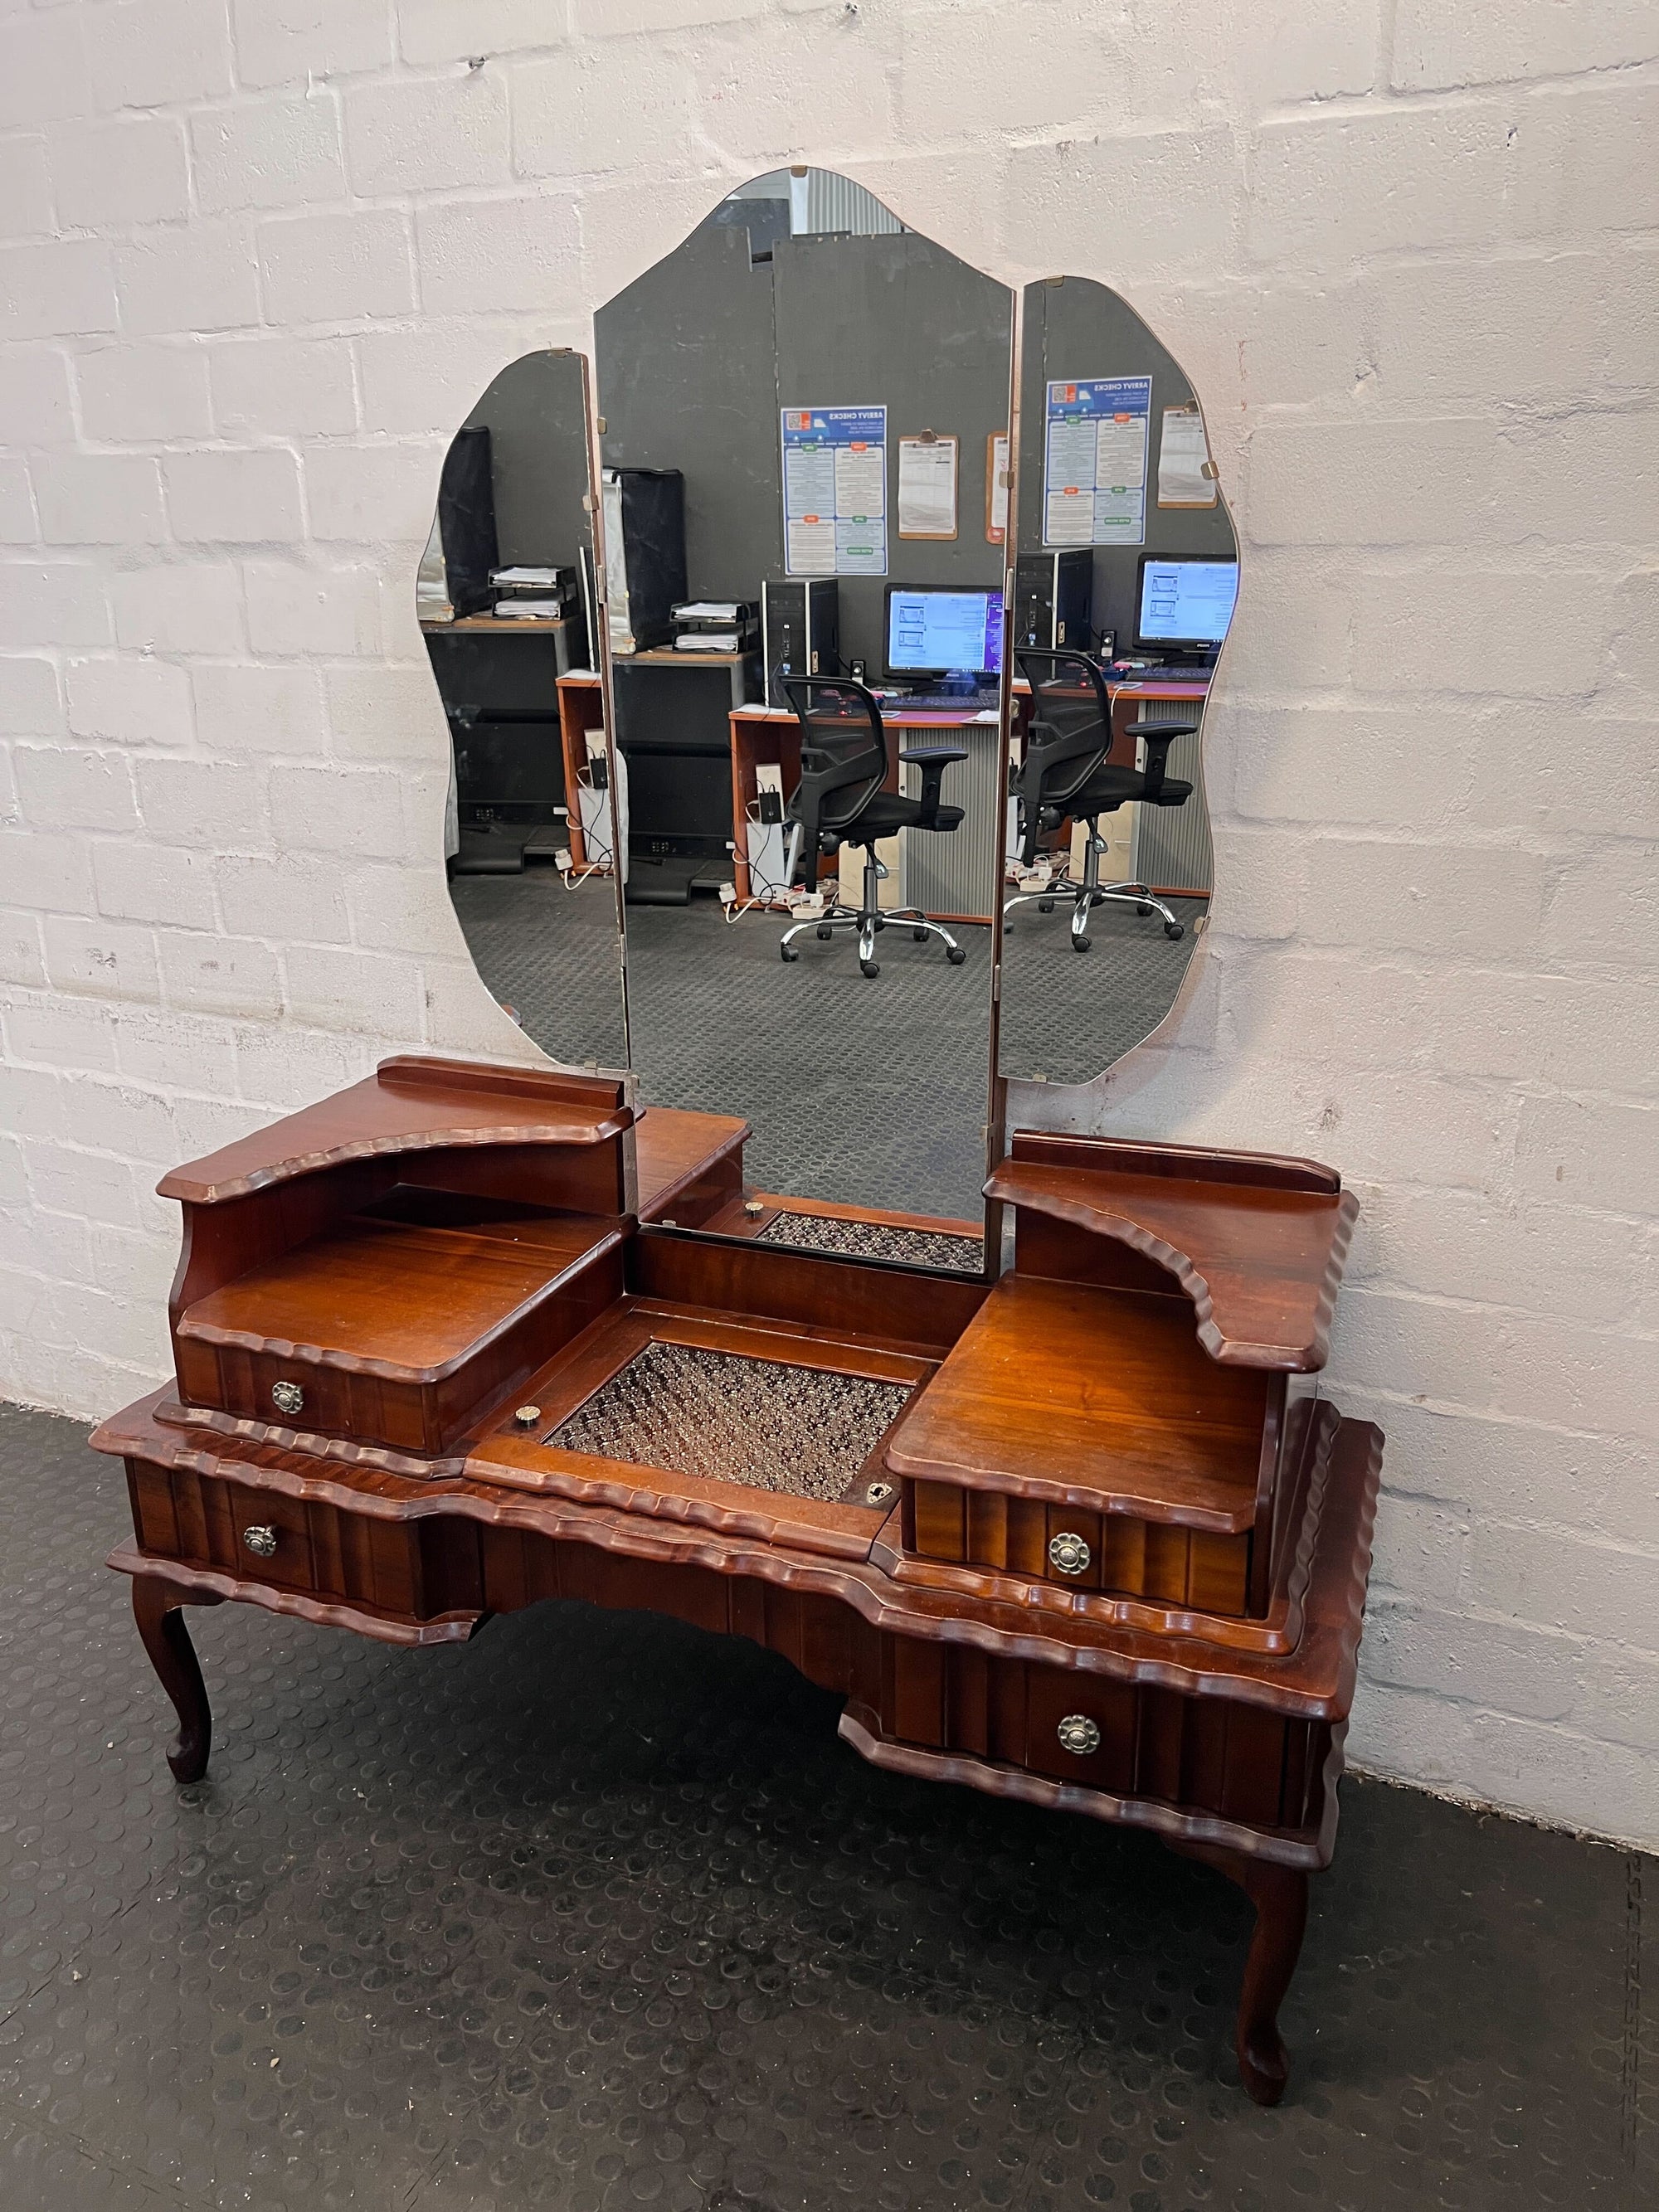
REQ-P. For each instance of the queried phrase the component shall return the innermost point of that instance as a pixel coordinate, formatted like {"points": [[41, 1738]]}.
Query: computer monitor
{"points": [[1185, 604], [937, 632]]}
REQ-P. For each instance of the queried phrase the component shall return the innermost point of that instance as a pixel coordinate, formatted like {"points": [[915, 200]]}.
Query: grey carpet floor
{"points": [[871, 1090]]}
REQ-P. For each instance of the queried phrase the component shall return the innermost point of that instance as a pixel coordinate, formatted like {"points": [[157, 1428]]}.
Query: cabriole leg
{"points": [[157, 1606], [1279, 1895]]}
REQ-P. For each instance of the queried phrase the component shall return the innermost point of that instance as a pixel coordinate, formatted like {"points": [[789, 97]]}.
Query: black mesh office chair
{"points": [[1065, 775], [846, 762]]}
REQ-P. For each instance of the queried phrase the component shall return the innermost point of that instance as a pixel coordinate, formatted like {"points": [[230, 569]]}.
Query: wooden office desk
{"points": [[1082, 1535]]}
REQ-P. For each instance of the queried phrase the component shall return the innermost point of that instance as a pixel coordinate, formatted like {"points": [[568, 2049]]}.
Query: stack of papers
{"points": [[530, 610]]}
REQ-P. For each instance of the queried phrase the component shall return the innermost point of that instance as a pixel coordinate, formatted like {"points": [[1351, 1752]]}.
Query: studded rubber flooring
{"points": [[598, 1912]]}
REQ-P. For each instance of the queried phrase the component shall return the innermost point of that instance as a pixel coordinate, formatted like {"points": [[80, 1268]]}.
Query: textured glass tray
{"points": [[757, 1422]]}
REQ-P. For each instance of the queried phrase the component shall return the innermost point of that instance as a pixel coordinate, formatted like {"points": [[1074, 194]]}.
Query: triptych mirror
{"points": [[824, 667]]}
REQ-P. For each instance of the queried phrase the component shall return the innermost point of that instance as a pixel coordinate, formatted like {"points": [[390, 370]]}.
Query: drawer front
{"points": [[1111, 1553], [1200, 1754], [261, 1535]]}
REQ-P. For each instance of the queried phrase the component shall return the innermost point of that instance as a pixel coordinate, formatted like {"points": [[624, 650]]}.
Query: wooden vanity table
{"points": [[1083, 1535]]}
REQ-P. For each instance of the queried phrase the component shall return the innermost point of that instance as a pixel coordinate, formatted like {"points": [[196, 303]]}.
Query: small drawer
{"points": [[1160, 1561], [261, 1535]]}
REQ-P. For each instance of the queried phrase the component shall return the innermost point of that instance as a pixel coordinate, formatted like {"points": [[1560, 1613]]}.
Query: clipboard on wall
{"points": [[927, 486], [1187, 477]]}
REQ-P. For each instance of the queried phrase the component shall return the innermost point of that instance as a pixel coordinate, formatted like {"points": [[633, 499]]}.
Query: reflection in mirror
{"points": [[1126, 575], [804, 414], [504, 598]]}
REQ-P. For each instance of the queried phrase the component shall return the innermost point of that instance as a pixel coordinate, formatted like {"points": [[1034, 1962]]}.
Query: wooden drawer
{"points": [[1127, 1556], [1201, 1754], [205, 1521], [393, 1333]]}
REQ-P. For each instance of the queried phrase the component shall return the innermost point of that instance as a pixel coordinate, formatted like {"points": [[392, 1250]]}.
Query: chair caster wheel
{"points": [[824, 934], [955, 955], [1143, 911], [1045, 905], [1173, 930], [920, 936], [1081, 945], [787, 952], [871, 967]]}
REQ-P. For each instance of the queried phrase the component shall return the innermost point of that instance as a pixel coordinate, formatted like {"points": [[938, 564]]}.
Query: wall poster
{"points": [[835, 491], [1094, 478]]}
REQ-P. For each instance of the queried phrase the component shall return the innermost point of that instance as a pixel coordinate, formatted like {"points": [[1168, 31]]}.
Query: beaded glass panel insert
{"points": [[757, 1422], [877, 1240]]}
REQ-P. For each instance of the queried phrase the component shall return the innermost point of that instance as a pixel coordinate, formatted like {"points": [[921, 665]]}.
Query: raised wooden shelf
{"points": [[1257, 1243], [1093, 1398], [409, 1104]]}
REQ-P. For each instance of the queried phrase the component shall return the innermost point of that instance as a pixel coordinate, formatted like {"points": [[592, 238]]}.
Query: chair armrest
{"points": [[1158, 737], [932, 761]]}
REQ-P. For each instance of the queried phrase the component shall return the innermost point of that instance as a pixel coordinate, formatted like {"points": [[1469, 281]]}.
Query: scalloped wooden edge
{"points": [[1193, 1666], [214, 1588], [176, 1183], [1304, 1358], [1311, 1848]]}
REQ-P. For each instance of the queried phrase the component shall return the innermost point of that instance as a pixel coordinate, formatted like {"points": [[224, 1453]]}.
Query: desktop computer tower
{"points": [[800, 631], [644, 554], [1053, 593]]}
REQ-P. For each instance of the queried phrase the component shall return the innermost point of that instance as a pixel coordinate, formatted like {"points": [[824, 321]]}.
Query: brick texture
{"points": [[259, 259]]}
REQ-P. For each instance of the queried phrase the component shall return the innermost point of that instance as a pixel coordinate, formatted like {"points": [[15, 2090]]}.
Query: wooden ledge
{"points": [[1260, 1256], [410, 1104]]}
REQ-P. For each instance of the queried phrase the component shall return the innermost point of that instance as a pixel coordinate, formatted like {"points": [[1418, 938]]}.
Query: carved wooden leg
{"points": [[157, 1608], [1279, 1895]]}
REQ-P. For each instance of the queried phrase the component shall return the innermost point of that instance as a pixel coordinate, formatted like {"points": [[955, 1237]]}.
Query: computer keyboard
{"points": [[1196, 671], [941, 702]]}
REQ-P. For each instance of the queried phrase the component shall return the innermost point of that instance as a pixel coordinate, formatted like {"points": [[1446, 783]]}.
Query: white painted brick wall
{"points": [[257, 258]]}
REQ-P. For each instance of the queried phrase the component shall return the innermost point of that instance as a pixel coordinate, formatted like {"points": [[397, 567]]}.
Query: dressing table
{"points": [[1036, 1479], [1084, 1534]]}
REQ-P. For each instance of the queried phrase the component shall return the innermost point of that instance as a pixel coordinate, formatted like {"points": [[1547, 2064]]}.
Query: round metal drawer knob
{"points": [[261, 1540], [1067, 1553], [288, 1397], [526, 1417], [1078, 1734]]}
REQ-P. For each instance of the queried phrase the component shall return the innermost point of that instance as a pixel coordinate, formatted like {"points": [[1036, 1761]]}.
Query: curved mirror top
{"points": [[1127, 573], [505, 601], [804, 414]]}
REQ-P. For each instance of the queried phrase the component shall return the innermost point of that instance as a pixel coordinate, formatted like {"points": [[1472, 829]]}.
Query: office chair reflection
{"points": [[1064, 776], [846, 796]]}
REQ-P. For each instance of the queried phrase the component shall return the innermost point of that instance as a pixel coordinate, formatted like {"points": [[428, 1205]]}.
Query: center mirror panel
{"points": [[803, 446], [507, 603]]}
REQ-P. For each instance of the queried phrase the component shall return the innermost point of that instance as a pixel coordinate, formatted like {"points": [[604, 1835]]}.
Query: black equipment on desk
{"points": [[467, 521], [800, 630], [715, 626], [1054, 594], [644, 554], [521, 591]]}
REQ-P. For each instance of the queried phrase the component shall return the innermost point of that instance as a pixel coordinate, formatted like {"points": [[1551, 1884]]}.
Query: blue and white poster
{"points": [[835, 491], [1094, 478]]}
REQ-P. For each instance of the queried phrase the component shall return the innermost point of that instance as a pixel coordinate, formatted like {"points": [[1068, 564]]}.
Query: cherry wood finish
{"points": [[443, 1245], [155, 1603], [1257, 1244], [689, 1166]]}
